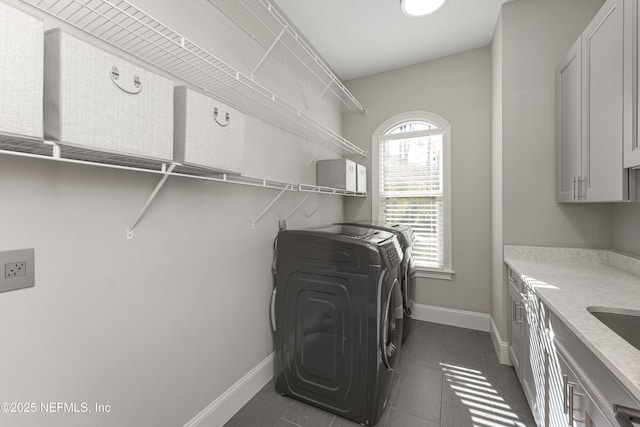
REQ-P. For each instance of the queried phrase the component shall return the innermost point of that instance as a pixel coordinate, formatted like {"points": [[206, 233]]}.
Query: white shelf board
{"points": [[126, 27]]}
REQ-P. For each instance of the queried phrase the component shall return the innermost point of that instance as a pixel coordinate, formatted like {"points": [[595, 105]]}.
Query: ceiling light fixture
{"points": [[420, 7]]}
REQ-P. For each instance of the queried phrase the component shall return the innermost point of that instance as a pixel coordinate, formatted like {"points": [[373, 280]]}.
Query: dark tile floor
{"points": [[447, 377]]}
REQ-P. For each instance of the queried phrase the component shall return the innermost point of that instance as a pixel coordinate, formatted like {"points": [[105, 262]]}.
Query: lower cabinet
{"points": [[570, 402], [516, 323], [551, 362]]}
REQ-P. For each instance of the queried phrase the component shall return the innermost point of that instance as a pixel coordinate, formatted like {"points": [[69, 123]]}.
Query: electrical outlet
{"points": [[18, 269], [15, 269]]}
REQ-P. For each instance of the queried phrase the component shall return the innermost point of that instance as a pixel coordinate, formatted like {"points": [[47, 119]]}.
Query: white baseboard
{"points": [[452, 317], [228, 403], [501, 347]]}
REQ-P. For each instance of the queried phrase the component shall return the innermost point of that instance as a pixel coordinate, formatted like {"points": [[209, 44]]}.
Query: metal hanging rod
{"points": [[127, 27]]}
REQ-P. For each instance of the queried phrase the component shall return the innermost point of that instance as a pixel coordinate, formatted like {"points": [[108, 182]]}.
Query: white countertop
{"points": [[570, 280]]}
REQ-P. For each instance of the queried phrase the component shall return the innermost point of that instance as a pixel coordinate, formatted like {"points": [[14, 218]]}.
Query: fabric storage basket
{"points": [[336, 173], [21, 65], [361, 179], [97, 101], [207, 133]]}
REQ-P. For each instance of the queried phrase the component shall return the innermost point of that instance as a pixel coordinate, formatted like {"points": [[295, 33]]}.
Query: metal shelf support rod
{"points": [[265, 210], [319, 206], [316, 156], [149, 200], [268, 52], [324, 91], [298, 206]]}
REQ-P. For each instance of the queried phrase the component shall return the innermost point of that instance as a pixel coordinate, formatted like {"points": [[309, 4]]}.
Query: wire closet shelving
{"points": [[123, 25], [263, 22]]}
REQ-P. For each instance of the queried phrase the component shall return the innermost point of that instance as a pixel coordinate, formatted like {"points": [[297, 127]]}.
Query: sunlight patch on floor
{"points": [[486, 407]]}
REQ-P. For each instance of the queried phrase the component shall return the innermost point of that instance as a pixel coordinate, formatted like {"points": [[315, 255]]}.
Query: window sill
{"points": [[433, 274]]}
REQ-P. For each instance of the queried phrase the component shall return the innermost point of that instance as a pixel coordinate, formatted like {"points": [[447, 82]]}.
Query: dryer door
{"points": [[392, 326]]}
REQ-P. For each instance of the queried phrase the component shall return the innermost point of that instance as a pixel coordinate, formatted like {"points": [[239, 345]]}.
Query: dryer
{"points": [[406, 270], [338, 318]]}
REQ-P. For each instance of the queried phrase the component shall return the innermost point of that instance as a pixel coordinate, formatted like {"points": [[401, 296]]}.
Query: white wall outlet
{"points": [[18, 269], [15, 269]]}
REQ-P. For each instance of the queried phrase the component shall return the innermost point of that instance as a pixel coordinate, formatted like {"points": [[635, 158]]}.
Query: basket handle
{"points": [[227, 117], [115, 78]]}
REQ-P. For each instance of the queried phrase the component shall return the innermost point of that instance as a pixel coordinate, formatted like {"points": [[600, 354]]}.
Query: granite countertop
{"points": [[570, 280]]}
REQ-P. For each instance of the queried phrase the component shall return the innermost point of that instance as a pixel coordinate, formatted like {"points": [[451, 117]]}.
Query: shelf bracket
{"points": [[135, 222], [319, 206], [324, 90], [265, 210], [266, 54], [298, 206]]}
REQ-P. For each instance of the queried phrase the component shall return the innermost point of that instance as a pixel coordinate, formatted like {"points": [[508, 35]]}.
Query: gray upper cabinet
{"points": [[603, 81], [632, 144], [569, 125], [592, 105]]}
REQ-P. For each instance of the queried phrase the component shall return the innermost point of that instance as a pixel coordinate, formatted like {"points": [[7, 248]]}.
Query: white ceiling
{"points": [[362, 37]]}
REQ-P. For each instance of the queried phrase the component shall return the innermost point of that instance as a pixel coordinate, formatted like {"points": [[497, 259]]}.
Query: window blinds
{"points": [[411, 192]]}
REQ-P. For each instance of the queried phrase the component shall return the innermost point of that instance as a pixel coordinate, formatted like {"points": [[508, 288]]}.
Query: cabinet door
{"points": [[515, 326], [632, 143], [570, 402], [604, 72], [568, 124], [532, 353]]}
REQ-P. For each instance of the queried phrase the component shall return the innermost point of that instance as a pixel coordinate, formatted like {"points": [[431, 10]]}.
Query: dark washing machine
{"points": [[406, 238], [338, 318]]}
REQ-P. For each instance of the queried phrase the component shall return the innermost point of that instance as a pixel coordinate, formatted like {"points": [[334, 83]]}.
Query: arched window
{"points": [[412, 155]]}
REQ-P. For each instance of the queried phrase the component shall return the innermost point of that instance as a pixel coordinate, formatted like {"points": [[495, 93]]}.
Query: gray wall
{"points": [[498, 302], [626, 228], [458, 88], [535, 36], [159, 326]]}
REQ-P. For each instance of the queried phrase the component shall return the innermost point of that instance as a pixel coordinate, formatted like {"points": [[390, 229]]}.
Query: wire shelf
{"points": [[263, 21], [126, 27], [48, 150]]}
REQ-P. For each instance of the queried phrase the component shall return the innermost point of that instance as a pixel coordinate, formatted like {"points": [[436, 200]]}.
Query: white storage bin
{"points": [[336, 173], [97, 101], [361, 179], [21, 65], [207, 133]]}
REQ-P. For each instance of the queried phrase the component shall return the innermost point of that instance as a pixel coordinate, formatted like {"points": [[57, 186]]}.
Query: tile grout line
{"points": [[291, 422]]}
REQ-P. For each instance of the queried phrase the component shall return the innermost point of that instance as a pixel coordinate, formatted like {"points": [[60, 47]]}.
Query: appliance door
{"points": [[392, 319], [321, 346]]}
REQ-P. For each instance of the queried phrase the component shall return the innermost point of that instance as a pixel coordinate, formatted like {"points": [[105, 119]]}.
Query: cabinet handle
{"points": [[518, 312], [565, 386], [581, 181], [570, 408], [571, 394], [574, 188]]}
